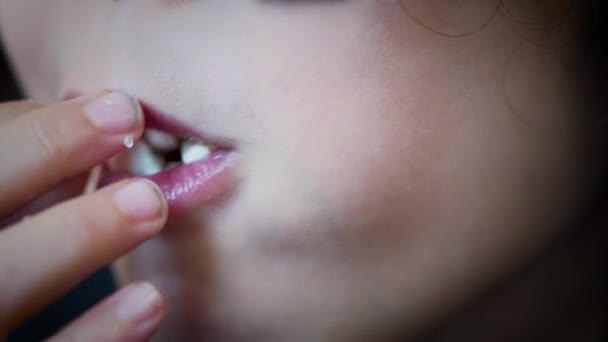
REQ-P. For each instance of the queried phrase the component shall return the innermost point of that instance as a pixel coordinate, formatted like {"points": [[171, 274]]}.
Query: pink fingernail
{"points": [[113, 113], [140, 306], [141, 200]]}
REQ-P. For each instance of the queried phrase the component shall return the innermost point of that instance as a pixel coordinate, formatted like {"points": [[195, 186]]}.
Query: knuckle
{"points": [[89, 230], [95, 226], [49, 136], [119, 328]]}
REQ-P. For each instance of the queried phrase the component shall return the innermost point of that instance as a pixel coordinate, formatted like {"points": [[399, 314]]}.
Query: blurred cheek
{"points": [[341, 171]]}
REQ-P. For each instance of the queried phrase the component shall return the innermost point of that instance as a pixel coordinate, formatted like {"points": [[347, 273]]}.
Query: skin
{"points": [[395, 164], [44, 253]]}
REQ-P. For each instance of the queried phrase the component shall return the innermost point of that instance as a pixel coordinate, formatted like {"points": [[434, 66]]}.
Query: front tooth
{"points": [[192, 151], [144, 161], [160, 140]]}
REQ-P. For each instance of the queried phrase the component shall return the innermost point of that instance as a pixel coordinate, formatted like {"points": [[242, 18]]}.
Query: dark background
{"points": [[8, 86], [84, 296]]}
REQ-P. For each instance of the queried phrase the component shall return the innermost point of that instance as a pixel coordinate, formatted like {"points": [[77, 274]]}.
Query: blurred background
{"points": [[74, 303], [8, 86]]}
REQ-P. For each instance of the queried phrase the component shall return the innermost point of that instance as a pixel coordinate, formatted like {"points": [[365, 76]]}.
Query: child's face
{"points": [[388, 173]]}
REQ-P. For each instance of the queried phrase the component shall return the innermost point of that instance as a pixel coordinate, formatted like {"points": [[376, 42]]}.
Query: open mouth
{"points": [[190, 169]]}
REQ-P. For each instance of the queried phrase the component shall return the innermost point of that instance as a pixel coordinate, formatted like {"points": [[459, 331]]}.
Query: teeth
{"points": [[161, 141], [192, 151], [144, 161]]}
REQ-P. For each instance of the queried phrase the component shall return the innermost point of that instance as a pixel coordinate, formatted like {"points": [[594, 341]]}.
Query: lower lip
{"points": [[192, 186]]}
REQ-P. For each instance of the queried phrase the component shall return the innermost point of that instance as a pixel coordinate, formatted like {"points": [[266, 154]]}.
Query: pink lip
{"points": [[189, 186]]}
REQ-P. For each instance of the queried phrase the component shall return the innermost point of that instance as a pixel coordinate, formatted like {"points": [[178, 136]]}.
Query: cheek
{"points": [[30, 49], [343, 173], [378, 159]]}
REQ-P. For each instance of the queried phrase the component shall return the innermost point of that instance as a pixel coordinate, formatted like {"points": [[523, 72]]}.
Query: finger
{"points": [[44, 256], [64, 191], [10, 110], [132, 314], [42, 147]]}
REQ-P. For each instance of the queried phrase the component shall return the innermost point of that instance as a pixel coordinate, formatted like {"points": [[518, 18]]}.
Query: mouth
{"points": [[192, 170]]}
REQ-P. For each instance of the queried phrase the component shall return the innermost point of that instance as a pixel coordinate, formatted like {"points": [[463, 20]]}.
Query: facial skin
{"points": [[396, 162]]}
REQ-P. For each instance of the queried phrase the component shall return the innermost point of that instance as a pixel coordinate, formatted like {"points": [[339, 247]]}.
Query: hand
{"points": [[45, 152]]}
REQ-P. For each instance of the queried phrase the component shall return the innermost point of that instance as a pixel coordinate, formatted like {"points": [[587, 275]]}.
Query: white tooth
{"points": [[192, 151], [160, 140], [144, 161]]}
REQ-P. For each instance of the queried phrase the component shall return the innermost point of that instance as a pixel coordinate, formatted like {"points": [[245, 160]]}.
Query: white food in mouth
{"points": [[144, 162], [193, 151], [159, 151], [161, 141], [92, 183]]}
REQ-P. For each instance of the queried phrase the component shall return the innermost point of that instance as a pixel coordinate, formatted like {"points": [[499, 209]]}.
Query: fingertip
{"points": [[133, 313], [141, 307], [141, 200], [114, 113]]}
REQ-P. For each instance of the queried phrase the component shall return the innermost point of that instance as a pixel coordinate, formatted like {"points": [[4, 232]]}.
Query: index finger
{"points": [[12, 109], [44, 256], [43, 147]]}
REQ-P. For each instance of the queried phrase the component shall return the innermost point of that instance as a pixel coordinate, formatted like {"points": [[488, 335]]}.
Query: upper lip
{"points": [[156, 118], [169, 124]]}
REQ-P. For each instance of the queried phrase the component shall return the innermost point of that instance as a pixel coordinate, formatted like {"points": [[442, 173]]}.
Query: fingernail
{"points": [[140, 200], [140, 306], [113, 113]]}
